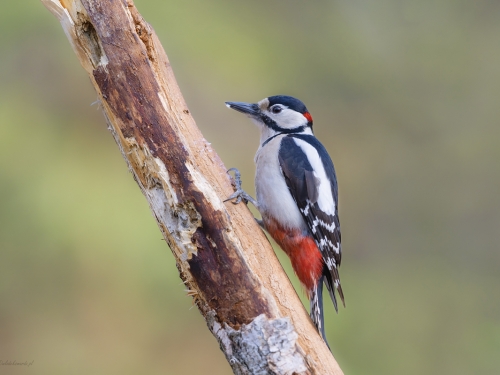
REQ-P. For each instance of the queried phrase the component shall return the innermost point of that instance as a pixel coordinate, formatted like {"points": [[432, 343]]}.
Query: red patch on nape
{"points": [[308, 116]]}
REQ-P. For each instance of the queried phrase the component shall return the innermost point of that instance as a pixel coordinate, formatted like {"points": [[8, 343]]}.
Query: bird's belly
{"points": [[273, 196], [282, 218]]}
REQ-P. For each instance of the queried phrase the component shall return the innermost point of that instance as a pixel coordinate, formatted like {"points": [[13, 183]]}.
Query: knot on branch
{"points": [[89, 40]]}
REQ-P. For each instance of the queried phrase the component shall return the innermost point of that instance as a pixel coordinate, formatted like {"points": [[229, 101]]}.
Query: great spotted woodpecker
{"points": [[297, 195]]}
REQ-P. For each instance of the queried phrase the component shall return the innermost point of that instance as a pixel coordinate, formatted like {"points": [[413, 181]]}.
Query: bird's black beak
{"points": [[246, 108]]}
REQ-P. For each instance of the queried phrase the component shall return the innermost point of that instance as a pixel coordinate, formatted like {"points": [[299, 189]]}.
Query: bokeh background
{"points": [[405, 96]]}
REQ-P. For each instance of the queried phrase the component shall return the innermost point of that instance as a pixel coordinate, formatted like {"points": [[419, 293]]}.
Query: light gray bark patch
{"points": [[263, 347]]}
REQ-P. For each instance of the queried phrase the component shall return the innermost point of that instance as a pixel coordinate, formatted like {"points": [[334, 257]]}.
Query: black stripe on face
{"points": [[270, 123]]}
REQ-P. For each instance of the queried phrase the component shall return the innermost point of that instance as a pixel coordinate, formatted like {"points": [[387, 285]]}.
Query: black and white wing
{"points": [[310, 177]]}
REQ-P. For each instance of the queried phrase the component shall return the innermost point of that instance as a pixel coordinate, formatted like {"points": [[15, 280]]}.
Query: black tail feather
{"points": [[317, 312], [330, 285]]}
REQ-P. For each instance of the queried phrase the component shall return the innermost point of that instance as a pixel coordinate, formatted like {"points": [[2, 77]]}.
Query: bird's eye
{"points": [[276, 109]]}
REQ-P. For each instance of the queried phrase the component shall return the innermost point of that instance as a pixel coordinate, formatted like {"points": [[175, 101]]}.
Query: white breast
{"points": [[273, 195]]}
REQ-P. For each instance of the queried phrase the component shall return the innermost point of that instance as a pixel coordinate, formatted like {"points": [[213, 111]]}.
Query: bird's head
{"points": [[277, 114]]}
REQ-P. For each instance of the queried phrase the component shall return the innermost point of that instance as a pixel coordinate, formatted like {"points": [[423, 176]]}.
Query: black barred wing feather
{"points": [[310, 177]]}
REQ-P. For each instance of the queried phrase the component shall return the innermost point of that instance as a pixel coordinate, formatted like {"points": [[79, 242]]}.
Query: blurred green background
{"points": [[405, 96]]}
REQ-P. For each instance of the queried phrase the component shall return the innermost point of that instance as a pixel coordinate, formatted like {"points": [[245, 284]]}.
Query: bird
{"points": [[297, 196]]}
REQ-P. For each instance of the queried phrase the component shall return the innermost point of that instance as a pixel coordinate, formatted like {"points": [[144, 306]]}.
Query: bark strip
{"points": [[223, 257]]}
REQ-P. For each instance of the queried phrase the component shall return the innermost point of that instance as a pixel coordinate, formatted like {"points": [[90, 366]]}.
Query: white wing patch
{"points": [[325, 198]]}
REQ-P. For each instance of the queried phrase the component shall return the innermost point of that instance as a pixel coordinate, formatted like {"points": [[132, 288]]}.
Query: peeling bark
{"points": [[223, 257], [265, 346]]}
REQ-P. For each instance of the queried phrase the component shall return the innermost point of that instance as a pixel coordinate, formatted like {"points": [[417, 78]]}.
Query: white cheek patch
{"points": [[325, 198], [288, 118]]}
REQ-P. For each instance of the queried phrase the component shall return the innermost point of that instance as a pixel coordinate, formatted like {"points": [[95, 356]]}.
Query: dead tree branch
{"points": [[223, 257]]}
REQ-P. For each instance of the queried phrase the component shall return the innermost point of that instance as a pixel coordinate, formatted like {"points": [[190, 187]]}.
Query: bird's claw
{"points": [[236, 180], [239, 194]]}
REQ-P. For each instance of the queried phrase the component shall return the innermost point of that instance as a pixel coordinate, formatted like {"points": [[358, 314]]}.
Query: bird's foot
{"points": [[239, 194], [260, 222]]}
